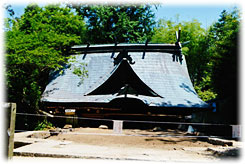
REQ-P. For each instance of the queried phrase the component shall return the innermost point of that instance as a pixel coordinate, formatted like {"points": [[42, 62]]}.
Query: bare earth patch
{"points": [[178, 148], [132, 144], [94, 136]]}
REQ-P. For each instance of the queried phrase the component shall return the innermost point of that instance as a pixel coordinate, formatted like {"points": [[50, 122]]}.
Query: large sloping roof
{"points": [[156, 77]]}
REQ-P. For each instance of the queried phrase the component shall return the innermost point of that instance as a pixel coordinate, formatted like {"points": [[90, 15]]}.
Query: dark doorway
{"points": [[129, 105]]}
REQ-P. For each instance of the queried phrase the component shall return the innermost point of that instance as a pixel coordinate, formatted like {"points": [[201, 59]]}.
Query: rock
{"points": [[42, 135], [157, 129], [64, 130], [54, 131], [234, 152], [136, 131], [218, 141], [209, 149], [103, 127], [67, 126]]}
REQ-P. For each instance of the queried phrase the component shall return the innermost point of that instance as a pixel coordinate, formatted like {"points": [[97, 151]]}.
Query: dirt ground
{"points": [[177, 142], [131, 144], [129, 138]]}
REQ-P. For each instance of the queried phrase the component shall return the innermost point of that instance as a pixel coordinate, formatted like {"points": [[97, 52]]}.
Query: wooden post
{"points": [[11, 130]]}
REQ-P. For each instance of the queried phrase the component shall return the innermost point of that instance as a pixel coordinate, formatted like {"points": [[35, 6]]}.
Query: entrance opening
{"points": [[129, 105]]}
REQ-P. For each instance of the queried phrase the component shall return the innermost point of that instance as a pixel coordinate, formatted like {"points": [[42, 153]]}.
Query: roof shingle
{"points": [[167, 78]]}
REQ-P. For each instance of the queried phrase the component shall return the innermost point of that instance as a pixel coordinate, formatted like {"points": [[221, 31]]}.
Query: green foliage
{"points": [[195, 52], [165, 32], [211, 55], [107, 24], [80, 71], [223, 45], [204, 89], [191, 32], [35, 44], [44, 125]]}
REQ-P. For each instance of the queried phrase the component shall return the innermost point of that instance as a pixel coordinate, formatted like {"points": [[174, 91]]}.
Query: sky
{"points": [[205, 14]]}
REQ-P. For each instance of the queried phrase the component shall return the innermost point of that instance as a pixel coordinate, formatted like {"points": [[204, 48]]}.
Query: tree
{"points": [[195, 52], [35, 44], [223, 45], [110, 24], [212, 58]]}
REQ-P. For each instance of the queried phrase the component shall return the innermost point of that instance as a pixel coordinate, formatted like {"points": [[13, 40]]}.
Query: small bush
{"points": [[44, 125]]}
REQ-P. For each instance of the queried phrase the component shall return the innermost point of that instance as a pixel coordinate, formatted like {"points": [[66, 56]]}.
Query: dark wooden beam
{"points": [[172, 48]]}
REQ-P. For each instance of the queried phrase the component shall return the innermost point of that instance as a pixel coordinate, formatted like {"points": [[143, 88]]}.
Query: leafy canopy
{"points": [[36, 43], [194, 47], [223, 46], [110, 24]]}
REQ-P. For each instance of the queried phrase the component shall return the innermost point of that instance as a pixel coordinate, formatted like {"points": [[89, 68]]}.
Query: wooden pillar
{"points": [[11, 129]]}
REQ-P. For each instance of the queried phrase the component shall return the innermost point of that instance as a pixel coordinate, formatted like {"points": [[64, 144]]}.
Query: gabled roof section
{"points": [[120, 79], [157, 76]]}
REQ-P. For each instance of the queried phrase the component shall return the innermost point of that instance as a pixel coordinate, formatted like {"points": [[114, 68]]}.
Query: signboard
{"points": [[70, 111], [117, 126], [236, 131]]}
